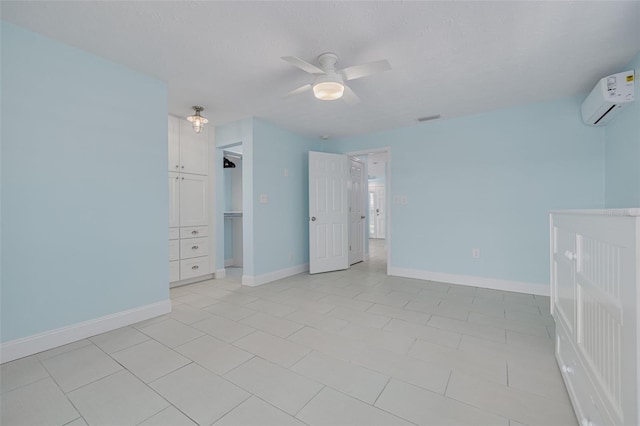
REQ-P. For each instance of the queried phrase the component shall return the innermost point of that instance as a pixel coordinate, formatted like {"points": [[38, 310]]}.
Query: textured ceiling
{"points": [[449, 58]]}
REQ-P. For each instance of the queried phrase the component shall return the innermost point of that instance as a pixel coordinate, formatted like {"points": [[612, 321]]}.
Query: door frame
{"points": [[364, 185], [387, 196]]}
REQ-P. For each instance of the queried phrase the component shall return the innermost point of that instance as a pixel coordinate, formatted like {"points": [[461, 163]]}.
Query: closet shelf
{"points": [[232, 214]]}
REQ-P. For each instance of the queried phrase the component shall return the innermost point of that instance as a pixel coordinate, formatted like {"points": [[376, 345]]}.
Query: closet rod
{"points": [[233, 155]]}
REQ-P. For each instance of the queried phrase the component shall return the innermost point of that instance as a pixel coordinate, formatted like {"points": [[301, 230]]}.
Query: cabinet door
{"points": [[194, 149], [562, 269], [174, 199], [174, 144], [193, 200], [174, 271]]}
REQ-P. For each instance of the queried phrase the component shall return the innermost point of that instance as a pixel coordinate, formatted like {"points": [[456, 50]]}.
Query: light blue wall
{"points": [[281, 226], [278, 228], [488, 181], [622, 137], [84, 186]]}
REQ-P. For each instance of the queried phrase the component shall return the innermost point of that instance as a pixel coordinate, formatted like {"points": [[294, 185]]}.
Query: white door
{"points": [[376, 211], [356, 212], [174, 144], [194, 149], [328, 215], [193, 200], [380, 212], [174, 199]]}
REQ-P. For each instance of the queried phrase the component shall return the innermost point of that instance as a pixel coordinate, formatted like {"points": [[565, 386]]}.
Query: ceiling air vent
{"points": [[429, 118]]}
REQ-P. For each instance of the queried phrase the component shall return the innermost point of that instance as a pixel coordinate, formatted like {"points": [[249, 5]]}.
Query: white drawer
{"points": [[194, 231], [584, 396], [194, 267], [194, 247], [174, 249], [174, 233], [174, 271]]}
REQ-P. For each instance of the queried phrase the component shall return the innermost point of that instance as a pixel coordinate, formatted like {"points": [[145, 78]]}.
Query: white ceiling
{"points": [[449, 58]]}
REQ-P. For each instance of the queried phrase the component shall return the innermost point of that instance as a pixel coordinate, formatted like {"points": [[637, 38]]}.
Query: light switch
{"points": [[286, 172], [264, 198]]}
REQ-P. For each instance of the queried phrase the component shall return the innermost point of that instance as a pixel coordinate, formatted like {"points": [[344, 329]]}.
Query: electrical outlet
{"points": [[475, 253], [286, 172], [290, 257]]}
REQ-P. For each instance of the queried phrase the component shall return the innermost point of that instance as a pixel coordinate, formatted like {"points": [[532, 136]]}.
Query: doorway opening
{"points": [[233, 217], [338, 212], [375, 202]]}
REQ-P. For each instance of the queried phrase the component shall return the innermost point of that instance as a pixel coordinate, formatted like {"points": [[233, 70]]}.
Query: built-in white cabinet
{"points": [[595, 299], [174, 144], [188, 150], [189, 210], [174, 199], [193, 200]]}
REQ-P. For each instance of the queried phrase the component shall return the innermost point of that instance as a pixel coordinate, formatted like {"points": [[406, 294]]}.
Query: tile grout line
{"points": [[448, 381], [381, 391], [310, 399]]}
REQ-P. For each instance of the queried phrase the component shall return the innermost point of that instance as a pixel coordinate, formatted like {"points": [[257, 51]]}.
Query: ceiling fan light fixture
{"points": [[196, 120], [328, 90]]}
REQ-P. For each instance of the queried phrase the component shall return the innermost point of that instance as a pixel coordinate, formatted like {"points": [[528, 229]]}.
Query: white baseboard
{"points": [[468, 280], [255, 280], [191, 280], [30, 345], [221, 273]]}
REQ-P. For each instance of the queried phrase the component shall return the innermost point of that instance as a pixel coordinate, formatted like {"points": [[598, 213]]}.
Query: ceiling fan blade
{"points": [[297, 91], [365, 70], [349, 96], [303, 65]]}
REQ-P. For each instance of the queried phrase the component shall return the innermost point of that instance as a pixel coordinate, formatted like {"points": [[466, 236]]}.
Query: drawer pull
{"points": [[568, 370], [195, 247], [194, 267], [194, 232]]}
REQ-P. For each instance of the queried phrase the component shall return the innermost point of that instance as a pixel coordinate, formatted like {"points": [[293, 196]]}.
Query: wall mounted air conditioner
{"points": [[610, 96]]}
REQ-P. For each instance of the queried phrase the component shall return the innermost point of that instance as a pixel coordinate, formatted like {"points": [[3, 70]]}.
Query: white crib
{"points": [[595, 294]]}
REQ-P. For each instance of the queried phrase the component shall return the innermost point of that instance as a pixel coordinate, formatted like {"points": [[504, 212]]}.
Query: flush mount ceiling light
{"points": [[328, 87], [328, 84], [196, 120]]}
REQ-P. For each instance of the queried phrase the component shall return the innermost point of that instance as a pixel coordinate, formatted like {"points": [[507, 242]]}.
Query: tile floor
{"points": [[352, 347]]}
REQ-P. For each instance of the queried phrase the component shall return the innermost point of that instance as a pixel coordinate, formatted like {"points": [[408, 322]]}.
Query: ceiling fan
{"points": [[329, 82]]}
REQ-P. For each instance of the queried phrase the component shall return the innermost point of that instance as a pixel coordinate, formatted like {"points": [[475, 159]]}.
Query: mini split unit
{"points": [[611, 95]]}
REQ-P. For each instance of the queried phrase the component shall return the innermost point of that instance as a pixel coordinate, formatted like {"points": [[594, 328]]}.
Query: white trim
{"points": [[387, 195], [255, 280], [191, 280], [482, 282], [221, 273], [30, 345]]}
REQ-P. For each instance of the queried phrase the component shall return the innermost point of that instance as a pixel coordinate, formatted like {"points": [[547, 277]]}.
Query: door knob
{"points": [[362, 217], [313, 218]]}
